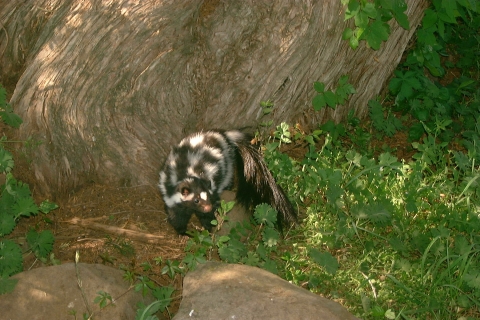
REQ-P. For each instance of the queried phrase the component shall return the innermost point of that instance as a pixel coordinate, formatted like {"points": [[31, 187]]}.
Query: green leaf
{"points": [[6, 160], [16, 188], [7, 284], [386, 159], [375, 33], [265, 214], [102, 299], [6, 111], [47, 206], [472, 279], [319, 86], [397, 244], [324, 259], [354, 43], [164, 296], [389, 314], [3, 98], [370, 10], [10, 258], [347, 34], [402, 20], [7, 223], [251, 259], [376, 114], [41, 243], [344, 90], [24, 207], [398, 11], [352, 9], [377, 312], [429, 19], [270, 237], [404, 84], [451, 10], [319, 102], [361, 19], [233, 252], [11, 119], [331, 99], [270, 266]]}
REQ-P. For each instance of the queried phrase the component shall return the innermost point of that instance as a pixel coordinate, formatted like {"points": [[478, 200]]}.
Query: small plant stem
{"points": [[79, 282]]}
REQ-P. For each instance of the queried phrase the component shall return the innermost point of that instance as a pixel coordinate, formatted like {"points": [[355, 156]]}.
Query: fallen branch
{"points": [[131, 234]]}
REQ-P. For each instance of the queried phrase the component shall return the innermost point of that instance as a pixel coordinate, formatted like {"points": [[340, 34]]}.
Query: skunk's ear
{"points": [[185, 191], [184, 188]]}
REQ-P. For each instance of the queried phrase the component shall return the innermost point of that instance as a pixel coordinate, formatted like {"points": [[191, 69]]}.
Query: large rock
{"points": [[226, 291], [53, 293]]}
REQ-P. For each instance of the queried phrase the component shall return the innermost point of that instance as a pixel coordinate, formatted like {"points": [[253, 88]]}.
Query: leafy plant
{"points": [[103, 299], [388, 124], [163, 296], [330, 98], [16, 202], [6, 111], [447, 27], [371, 20], [171, 268]]}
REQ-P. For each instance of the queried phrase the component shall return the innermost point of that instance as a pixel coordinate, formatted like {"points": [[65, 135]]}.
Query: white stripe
{"points": [[161, 183], [235, 135], [196, 139], [173, 200]]}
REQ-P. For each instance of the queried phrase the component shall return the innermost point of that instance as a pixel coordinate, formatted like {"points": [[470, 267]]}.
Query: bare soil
{"points": [[106, 212]]}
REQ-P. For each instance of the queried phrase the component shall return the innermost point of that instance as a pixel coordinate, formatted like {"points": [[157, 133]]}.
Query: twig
{"points": [[144, 237], [371, 285]]}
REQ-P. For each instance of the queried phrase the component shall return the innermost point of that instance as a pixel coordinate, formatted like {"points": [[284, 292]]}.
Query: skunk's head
{"points": [[195, 193]]}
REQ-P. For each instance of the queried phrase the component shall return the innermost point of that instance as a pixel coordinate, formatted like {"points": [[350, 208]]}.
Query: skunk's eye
{"points": [[196, 201]]}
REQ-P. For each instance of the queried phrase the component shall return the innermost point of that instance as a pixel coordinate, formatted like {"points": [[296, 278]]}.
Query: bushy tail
{"points": [[256, 184]]}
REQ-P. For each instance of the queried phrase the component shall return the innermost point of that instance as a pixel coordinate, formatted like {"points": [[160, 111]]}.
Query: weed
{"points": [[371, 21], [16, 202]]}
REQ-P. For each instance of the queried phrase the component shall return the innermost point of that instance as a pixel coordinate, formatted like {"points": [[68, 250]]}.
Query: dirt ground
{"points": [[105, 213]]}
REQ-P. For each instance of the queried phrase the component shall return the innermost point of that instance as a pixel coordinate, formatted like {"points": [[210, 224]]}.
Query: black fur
{"points": [[202, 166]]}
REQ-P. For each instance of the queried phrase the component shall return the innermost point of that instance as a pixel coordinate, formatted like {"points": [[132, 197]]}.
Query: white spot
{"points": [[173, 200], [187, 197], [190, 313], [196, 140], [203, 195], [235, 135]]}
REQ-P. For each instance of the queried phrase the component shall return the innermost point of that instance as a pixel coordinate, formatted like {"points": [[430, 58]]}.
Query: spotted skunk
{"points": [[204, 164]]}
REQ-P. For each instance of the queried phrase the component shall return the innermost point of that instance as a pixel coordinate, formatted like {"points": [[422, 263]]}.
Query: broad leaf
{"points": [[324, 259], [6, 160], [375, 33]]}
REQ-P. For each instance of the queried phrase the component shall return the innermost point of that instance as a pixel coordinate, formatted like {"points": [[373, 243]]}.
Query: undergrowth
{"points": [[390, 238], [16, 202]]}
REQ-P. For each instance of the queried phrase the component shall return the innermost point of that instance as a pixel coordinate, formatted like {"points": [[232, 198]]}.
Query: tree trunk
{"points": [[108, 86]]}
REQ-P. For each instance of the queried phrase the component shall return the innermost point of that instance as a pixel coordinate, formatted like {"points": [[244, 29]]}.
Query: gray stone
{"points": [[53, 293], [225, 291]]}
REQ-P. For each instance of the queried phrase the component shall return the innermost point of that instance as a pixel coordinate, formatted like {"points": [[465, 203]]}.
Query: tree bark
{"points": [[108, 86]]}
